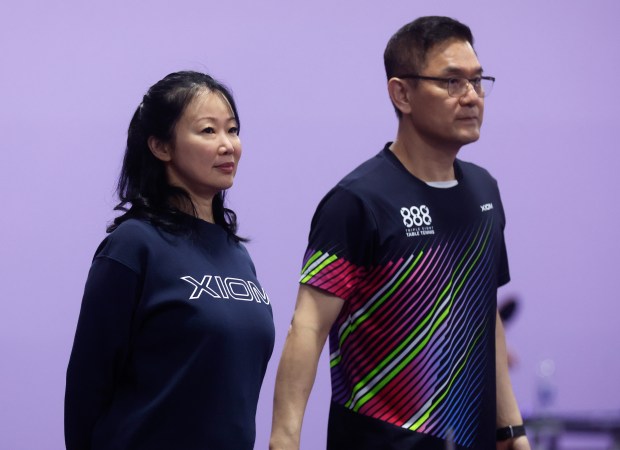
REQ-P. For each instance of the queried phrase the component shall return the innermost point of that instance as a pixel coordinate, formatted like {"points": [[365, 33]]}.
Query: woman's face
{"points": [[206, 148]]}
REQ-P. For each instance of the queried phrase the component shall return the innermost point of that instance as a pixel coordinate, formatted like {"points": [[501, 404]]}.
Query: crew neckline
{"points": [[432, 184], [443, 184]]}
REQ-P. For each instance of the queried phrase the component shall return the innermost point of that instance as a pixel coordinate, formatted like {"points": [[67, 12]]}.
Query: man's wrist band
{"points": [[509, 432]]}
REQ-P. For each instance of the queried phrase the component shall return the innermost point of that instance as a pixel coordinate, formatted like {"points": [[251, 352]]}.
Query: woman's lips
{"points": [[226, 167]]}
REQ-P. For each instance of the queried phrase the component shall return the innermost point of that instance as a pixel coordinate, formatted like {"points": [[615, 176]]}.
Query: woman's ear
{"points": [[159, 149], [400, 95]]}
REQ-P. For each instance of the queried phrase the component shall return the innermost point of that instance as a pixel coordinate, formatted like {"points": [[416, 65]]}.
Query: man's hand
{"points": [[519, 443]]}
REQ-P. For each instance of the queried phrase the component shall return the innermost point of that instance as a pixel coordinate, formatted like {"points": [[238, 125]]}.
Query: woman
{"points": [[175, 331]]}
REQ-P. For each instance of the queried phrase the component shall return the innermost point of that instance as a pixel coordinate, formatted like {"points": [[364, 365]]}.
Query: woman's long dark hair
{"points": [[143, 188]]}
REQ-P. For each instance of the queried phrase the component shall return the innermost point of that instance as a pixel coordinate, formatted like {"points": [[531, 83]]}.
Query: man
{"points": [[404, 259]]}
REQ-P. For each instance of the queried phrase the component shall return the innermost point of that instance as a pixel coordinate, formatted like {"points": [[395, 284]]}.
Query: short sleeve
{"points": [[341, 245], [503, 273]]}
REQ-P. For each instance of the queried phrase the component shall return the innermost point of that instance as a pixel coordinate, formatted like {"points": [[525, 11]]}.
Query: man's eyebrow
{"points": [[453, 70]]}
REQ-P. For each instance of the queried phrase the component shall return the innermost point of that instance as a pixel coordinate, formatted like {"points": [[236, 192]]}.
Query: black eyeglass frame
{"points": [[471, 81]]}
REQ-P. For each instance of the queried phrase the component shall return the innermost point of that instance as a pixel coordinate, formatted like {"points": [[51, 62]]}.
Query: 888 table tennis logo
{"points": [[417, 220]]}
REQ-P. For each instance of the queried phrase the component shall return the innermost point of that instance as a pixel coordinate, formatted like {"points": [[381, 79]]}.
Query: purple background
{"points": [[311, 92]]}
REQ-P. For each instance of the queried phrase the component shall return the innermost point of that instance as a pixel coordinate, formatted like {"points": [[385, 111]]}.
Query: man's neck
{"points": [[424, 161]]}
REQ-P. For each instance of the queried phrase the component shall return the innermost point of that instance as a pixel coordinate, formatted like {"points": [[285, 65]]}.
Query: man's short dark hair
{"points": [[407, 49]]}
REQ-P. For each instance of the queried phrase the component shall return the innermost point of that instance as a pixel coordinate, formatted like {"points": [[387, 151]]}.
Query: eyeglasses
{"points": [[457, 87]]}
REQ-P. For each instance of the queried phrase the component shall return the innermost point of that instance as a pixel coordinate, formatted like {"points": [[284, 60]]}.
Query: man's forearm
{"points": [[507, 409], [296, 374]]}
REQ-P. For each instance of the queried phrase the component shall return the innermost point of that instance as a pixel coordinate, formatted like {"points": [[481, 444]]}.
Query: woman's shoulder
{"points": [[134, 232], [130, 243], [133, 228]]}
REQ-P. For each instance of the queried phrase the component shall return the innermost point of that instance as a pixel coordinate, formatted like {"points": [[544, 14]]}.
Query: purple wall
{"points": [[311, 93]]}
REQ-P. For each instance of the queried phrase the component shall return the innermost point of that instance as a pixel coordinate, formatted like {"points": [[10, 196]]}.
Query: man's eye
{"points": [[454, 82], [208, 130], [476, 81]]}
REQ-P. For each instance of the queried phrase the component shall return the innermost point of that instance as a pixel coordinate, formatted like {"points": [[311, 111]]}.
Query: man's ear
{"points": [[159, 149], [400, 95]]}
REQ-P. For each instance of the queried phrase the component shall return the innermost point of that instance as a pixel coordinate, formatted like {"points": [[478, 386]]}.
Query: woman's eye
{"points": [[208, 130], [233, 130]]}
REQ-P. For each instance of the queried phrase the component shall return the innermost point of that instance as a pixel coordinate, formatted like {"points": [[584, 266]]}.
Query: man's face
{"points": [[441, 120]]}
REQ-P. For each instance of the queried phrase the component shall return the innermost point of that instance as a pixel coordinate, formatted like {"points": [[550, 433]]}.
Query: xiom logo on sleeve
{"points": [[417, 220]]}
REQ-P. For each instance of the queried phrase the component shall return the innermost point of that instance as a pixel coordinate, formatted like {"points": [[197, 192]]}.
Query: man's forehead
{"points": [[453, 57]]}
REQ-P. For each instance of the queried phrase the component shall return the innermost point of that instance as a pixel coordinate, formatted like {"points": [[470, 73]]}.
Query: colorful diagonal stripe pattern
{"points": [[408, 347]]}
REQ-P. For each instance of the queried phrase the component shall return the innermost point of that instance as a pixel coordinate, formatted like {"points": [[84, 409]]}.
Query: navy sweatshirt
{"points": [[172, 343]]}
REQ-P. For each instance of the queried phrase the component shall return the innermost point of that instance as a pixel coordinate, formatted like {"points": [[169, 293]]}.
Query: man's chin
{"points": [[468, 138]]}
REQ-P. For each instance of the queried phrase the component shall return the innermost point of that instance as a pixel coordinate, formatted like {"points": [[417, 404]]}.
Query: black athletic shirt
{"points": [[413, 349]]}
